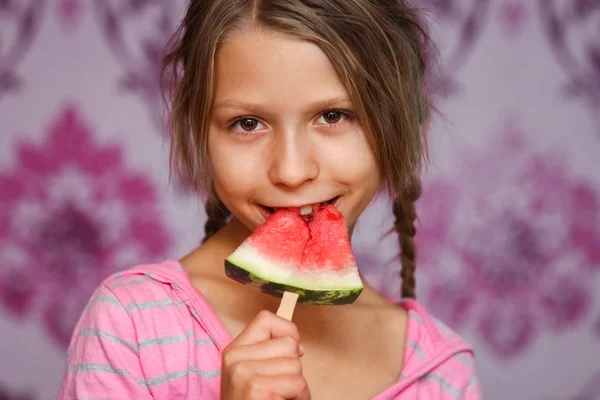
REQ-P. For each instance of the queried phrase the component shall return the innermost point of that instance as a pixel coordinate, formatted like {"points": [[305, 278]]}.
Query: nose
{"points": [[294, 160]]}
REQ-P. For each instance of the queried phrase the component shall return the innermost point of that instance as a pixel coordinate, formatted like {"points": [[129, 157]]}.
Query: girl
{"points": [[279, 104]]}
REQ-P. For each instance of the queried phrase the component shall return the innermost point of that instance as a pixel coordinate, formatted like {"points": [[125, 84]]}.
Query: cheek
{"points": [[353, 162], [234, 170]]}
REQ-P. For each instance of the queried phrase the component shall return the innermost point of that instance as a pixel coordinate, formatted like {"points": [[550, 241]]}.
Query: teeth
{"points": [[306, 210]]}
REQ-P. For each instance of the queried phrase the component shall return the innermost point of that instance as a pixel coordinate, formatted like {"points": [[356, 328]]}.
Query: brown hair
{"points": [[377, 48]]}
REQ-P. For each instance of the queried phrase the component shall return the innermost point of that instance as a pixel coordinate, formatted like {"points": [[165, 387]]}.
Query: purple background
{"points": [[509, 233]]}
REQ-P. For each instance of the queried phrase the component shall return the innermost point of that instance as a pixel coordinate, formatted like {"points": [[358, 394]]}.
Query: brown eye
{"points": [[332, 117], [248, 124]]}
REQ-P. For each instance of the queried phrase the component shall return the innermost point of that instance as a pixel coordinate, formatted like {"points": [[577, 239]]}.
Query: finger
{"points": [[248, 370], [280, 387], [274, 348], [266, 326]]}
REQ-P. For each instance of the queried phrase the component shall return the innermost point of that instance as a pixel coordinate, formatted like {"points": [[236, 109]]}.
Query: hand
{"points": [[263, 362]]}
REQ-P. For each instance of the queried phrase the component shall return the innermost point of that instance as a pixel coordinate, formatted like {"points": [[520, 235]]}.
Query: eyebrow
{"points": [[321, 104]]}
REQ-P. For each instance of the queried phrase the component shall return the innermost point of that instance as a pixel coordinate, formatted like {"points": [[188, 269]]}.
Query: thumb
{"points": [[305, 395]]}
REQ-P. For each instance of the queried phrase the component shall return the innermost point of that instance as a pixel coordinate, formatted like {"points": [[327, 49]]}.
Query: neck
{"points": [[230, 237], [216, 249]]}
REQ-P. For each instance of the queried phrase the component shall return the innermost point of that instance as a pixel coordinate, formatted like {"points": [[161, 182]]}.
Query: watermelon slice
{"points": [[311, 258]]}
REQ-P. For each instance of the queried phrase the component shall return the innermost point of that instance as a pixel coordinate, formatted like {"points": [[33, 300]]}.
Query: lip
{"points": [[266, 211]]}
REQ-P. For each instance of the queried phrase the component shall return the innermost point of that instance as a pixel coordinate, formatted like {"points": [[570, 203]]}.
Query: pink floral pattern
{"points": [[513, 16], [137, 32], [69, 13], [573, 32], [461, 23], [71, 212], [19, 27], [511, 243], [382, 273], [470, 265]]}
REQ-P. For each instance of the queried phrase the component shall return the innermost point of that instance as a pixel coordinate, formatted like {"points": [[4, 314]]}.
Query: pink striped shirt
{"points": [[147, 333]]}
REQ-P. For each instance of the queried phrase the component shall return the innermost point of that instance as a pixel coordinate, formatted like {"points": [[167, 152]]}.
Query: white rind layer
{"points": [[248, 258]]}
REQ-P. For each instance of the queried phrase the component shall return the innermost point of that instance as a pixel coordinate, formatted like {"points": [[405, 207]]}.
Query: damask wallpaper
{"points": [[509, 221]]}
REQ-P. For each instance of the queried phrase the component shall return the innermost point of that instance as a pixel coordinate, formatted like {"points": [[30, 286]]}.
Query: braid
{"points": [[217, 214], [404, 224]]}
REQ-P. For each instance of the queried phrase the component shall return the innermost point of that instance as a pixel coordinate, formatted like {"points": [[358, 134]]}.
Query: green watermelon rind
{"points": [[243, 266], [309, 296]]}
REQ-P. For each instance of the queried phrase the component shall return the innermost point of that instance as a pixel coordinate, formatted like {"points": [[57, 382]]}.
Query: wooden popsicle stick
{"points": [[287, 305]]}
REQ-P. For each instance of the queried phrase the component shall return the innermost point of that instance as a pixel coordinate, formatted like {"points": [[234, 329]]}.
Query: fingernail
{"points": [[301, 350]]}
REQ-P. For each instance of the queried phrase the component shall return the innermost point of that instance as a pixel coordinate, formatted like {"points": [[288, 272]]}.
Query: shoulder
{"points": [[128, 332], [147, 295], [130, 299], [142, 287], [143, 303], [430, 331], [446, 357]]}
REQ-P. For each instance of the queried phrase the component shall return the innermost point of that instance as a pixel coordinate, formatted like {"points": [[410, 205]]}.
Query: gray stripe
{"points": [[165, 340], [204, 341], [174, 339], [94, 332], [446, 332], [153, 304], [415, 346], [473, 381], [164, 379], [205, 374], [130, 282], [179, 375], [87, 367], [444, 384], [106, 300], [415, 317], [196, 316], [467, 361]]}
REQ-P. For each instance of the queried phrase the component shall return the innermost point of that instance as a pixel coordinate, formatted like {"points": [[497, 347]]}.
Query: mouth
{"points": [[306, 211]]}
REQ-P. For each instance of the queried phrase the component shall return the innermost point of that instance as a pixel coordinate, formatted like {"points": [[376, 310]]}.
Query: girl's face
{"points": [[283, 131]]}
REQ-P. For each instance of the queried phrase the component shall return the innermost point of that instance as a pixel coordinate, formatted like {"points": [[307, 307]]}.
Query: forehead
{"points": [[274, 68]]}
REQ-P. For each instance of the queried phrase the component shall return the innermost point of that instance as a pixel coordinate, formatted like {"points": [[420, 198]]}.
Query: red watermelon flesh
{"points": [[329, 246], [287, 253], [283, 238]]}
